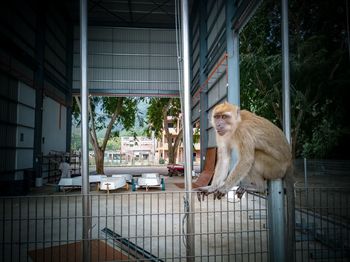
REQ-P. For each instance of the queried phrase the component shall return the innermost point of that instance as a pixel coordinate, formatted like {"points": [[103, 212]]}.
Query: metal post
{"points": [[277, 236], [202, 80], [276, 221], [305, 175], [232, 46], [84, 132], [39, 91], [69, 97], [285, 72], [187, 131]]}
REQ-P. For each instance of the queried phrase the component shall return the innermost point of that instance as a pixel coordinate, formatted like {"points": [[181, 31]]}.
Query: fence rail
{"points": [[323, 166], [149, 226], [49, 228]]}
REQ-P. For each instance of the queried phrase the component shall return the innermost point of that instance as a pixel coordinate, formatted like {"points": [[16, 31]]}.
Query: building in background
{"points": [[163, 147]]}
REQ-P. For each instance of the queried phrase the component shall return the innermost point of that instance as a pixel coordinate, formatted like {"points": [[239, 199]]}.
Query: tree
{"points": [[319, 68], [107, 113], [157, 116]]}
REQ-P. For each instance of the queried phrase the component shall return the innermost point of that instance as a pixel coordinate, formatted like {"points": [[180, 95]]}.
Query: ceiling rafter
{"points": [[109, 12], [153, 9]]}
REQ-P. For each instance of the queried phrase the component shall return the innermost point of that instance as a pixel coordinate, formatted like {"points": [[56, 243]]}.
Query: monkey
{"points": [[263, 153], [262, 149]]}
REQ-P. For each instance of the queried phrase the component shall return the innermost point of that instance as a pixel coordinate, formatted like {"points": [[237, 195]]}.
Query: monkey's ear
{"points": [[238, 112]]}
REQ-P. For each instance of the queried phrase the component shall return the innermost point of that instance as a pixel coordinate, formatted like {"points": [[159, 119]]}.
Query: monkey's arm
{"points": [[220, 174], [239, 172], [222, 166]]}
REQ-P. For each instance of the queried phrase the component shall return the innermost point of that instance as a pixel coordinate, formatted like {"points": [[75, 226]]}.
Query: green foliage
{"points": [[103, 108], [114, 144], [155, 113], [319, 70], [324, 137]]}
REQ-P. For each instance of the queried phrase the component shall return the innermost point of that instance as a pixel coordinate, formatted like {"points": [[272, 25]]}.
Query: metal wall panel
{"points": [[195, 112], [216, 23], [218, 91], [26, 95], [24, 158], [54, 126], [129, 60], [8, 122], [211, 138], [25, 127], [25, 116], [25, 137]]}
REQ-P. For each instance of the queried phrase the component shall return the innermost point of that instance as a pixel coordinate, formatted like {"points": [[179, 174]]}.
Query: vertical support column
{"points": [[277, 233], [232, 48], [285, 72], [202, 78], [39, 90], [232, 42], [69, 70], [84, 132], [187, 131], [276, 221], [290, 236]]}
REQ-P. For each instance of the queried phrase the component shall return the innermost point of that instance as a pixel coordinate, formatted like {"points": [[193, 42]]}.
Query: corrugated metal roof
{"points": [[129, 13]]}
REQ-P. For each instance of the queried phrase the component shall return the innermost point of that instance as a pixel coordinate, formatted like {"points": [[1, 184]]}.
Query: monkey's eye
{"points": [[217, 116], [224, 116]]}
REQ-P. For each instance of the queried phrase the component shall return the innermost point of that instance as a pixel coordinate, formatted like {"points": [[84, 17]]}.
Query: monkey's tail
{"points": [[290, 214]]}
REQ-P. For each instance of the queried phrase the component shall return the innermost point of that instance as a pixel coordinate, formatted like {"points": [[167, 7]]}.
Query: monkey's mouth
{"points": [[221, 132]]}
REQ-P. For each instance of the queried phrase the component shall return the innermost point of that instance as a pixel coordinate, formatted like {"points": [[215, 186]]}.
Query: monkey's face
{"points": [[225, 118], [223, 123]]}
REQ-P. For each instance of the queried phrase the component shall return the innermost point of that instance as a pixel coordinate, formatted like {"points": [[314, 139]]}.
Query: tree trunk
{"points": [[171, 154], [99, 158]]}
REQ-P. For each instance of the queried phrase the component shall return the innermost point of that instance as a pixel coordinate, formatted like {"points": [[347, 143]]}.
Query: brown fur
{"points": [[262, 149], [263, 154]]}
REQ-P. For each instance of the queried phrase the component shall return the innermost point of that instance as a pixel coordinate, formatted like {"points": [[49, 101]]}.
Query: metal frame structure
{"points": [[235, 20]]}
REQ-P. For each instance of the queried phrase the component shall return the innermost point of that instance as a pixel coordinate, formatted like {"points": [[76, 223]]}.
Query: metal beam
{"points": [[285, 72], [232, 43], [69, 97], [187, 131], [39, 92], [130, 92], [277, 233], [84, 133], [202, 78]]}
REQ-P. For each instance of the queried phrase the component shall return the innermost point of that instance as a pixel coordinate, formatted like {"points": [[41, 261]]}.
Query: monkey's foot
{"points": [[240, 191]]}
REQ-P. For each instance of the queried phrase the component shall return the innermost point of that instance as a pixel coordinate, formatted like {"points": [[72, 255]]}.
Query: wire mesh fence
{"points": [[127, 227], [323, 224], [151, 226]]}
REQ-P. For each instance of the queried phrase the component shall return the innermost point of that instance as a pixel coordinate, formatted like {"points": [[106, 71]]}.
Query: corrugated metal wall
{"points": [[215, 86], [34, 63], [8, 120], [54, 121], [25, 127], [129, 61]]}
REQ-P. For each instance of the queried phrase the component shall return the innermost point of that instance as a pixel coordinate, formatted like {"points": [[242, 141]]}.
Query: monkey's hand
{"points": [[204, 191], [218, 191], [240, 191]]}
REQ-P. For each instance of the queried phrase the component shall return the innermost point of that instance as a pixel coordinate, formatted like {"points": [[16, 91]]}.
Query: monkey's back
{"points": [[265, 135]]}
